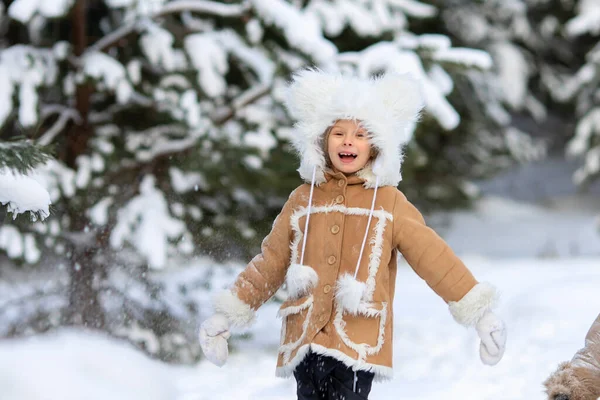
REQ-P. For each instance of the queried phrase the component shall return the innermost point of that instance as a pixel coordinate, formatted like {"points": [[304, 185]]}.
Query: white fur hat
{"points": [[387, 106]]}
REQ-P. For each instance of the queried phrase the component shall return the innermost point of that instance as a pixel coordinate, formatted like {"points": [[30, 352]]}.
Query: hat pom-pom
{"points": [[300, 280], [349, 293]]}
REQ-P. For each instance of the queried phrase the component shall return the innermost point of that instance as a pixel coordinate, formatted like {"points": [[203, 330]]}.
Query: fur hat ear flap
{"points": [[378, 167], [300, 280], [349, 293]]}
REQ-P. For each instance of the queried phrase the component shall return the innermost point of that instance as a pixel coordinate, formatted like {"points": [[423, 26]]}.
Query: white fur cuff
{"points": [[300, 279], [239, 314], [468, 310]]}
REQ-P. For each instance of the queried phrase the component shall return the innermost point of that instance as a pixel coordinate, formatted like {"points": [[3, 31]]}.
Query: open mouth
{"points": [[347, 157]]}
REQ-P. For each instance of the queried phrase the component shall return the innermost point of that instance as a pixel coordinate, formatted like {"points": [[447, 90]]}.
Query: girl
{"points": [[336, 242]]}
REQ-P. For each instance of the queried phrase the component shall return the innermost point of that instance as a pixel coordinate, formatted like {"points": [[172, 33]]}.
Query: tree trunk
{"points": [[84, 306]]}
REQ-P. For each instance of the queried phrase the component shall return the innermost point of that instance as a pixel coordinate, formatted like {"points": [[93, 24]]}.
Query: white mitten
{"points": [[214, 333], [492, 332]]}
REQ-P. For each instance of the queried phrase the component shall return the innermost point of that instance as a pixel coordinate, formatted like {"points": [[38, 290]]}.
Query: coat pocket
{"points": [[296, 317], [363, 332]]}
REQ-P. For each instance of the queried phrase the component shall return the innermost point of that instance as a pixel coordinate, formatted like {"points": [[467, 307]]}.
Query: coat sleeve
{"points": [[263, 275], [435, 262], [588, 358]]}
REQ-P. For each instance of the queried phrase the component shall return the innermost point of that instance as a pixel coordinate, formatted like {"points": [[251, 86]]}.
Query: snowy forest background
{"points": [[141, 139]]}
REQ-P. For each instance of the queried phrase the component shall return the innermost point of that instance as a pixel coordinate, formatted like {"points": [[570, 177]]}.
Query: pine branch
{"points": [[248, 97], [66, 114], [204, 6], [21, 156], [35, 296]]}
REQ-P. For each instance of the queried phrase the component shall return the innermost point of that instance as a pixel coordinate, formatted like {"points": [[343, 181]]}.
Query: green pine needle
{"points": [[21, 156]]}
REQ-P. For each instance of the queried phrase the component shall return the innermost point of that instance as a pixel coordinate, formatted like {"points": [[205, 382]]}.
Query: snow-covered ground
{"points": [[548, 306], [546, 262]]}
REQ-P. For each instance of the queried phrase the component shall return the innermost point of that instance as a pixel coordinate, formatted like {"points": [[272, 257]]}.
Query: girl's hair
{"points": [[325, 142], [324, 146]]}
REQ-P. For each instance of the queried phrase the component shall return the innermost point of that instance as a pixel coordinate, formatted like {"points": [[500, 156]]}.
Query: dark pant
{"points": [[325, 378]]}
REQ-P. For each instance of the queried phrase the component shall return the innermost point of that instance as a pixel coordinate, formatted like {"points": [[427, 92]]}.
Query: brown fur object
{"points": [[578, 379]]}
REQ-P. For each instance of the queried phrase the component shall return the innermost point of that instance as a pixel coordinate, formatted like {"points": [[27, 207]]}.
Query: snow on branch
{"points": [[183, 182], [199, 6], [301, 32], [587, 21], [211, 61], [220, 116], [209, 51], [109, 72], [585, 144], [438, 48], [389, 56], [414, 8], [21, 194], [157, 45], [204, 7], [65, 115], [586, 128], [18, 245], [110, 39], [24, 10], [260, 63], [471, 58], [564, 89], [23, 70], [590, 168], [145, 223], [161, 140]]}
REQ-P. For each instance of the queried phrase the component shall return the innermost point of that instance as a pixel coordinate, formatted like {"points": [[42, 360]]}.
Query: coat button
{"points": [[340, 183], [339, 199], [335, 229], [331, 260], [326, 289]]}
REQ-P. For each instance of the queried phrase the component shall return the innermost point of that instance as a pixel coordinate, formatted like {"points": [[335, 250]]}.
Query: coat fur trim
{"points": [[566, 382], [288, 348], [382, 373], [239, 314], [468, 310], [362, 349], [388, 107], [300, 280], [376, 241]]}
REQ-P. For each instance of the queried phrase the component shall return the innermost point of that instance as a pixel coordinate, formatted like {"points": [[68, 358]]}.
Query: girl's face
{"points": [[348, 146]]}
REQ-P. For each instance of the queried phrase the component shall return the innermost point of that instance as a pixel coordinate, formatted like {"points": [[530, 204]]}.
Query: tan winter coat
{"points": [[579, 379], [336, 228]]}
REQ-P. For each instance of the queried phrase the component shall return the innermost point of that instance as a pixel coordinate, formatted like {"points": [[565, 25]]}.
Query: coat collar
{"points": [[353, 179], [364, 177]]}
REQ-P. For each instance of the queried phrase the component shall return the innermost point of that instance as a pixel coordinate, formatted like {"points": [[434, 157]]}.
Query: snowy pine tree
{"points": [[578, 87], [546, 74]]}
